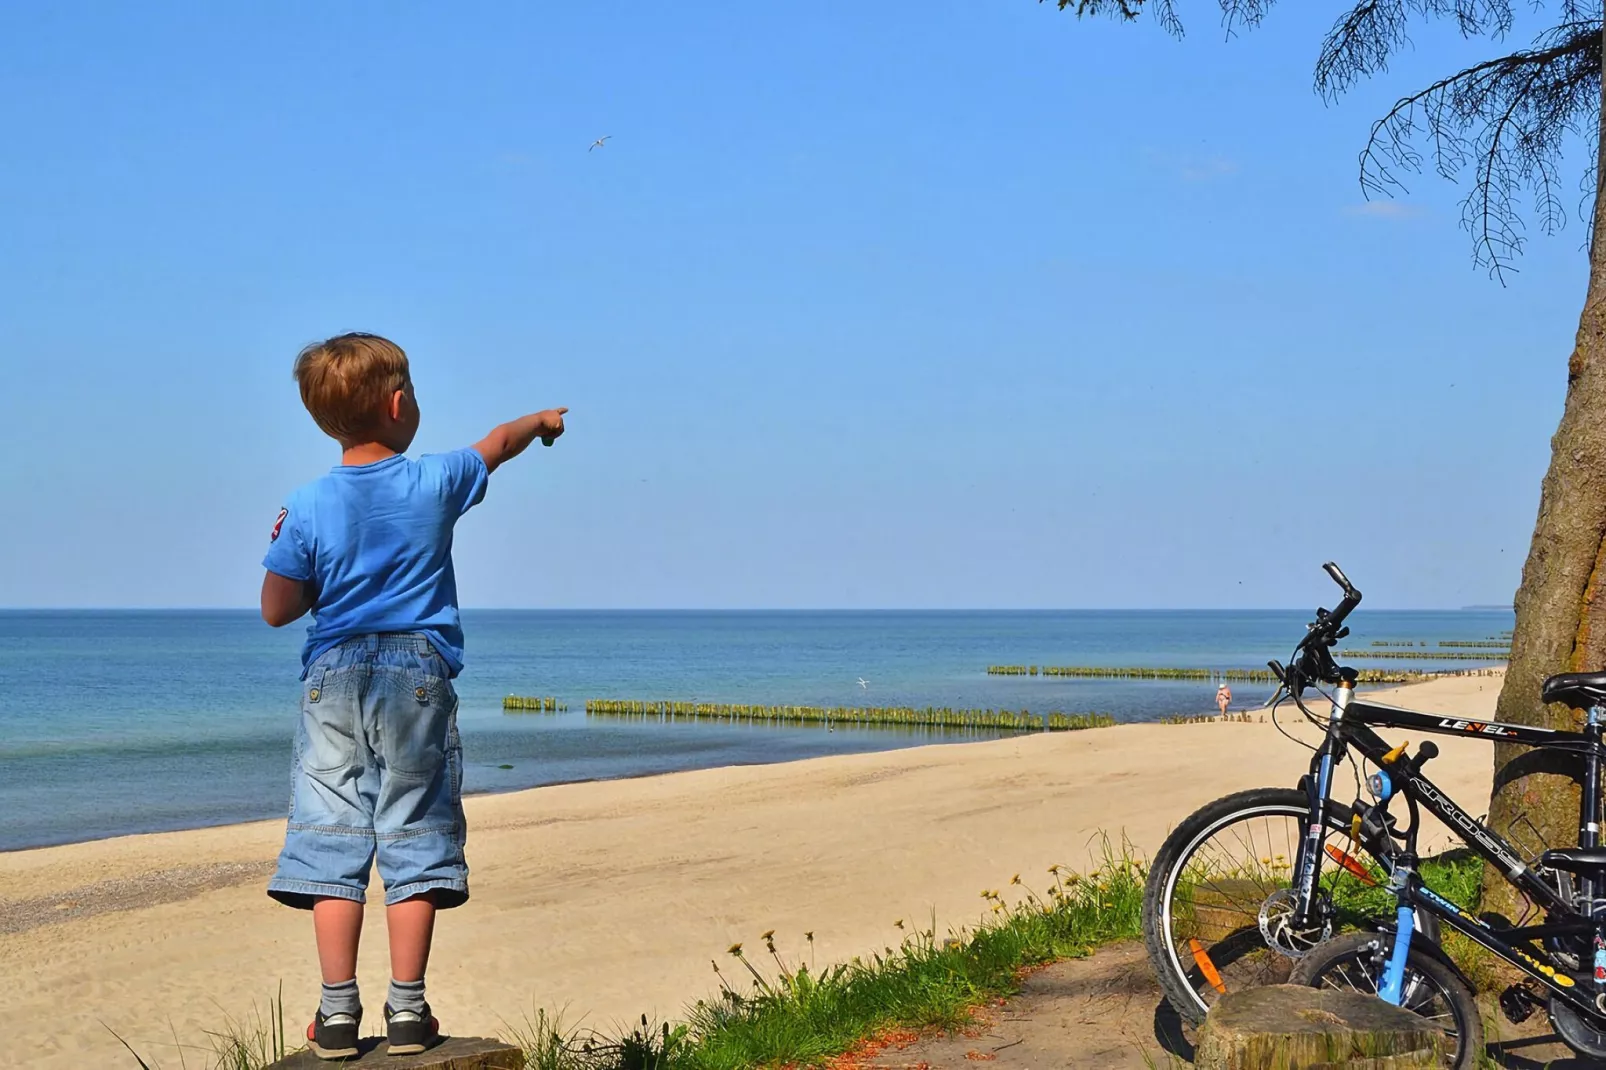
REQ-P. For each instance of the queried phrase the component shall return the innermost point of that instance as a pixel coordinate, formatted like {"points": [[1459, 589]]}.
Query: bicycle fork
{"points": [[1392, 987], [1310, 855]]}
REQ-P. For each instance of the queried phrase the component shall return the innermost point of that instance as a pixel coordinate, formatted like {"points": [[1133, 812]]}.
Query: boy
{"points": [[378, 767]]}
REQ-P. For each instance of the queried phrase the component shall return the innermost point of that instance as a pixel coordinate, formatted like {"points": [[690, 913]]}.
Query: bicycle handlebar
{"points": [[1312, 659]]}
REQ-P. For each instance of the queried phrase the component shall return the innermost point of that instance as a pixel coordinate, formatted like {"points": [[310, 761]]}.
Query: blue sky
{"points": [[937, 304]]}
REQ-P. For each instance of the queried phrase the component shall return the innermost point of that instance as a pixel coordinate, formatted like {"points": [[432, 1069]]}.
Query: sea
{"points": [[118, 722]]}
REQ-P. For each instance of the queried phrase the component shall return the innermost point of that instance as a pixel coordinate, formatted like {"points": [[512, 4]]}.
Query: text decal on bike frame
{"points": [[1390, 717], [1477, 728], [1452, 815], [1444, 904], [1542, 968]]}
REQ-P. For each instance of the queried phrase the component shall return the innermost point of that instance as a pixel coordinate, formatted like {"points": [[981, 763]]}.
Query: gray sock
{"points": [[341, 998], [406, 995]]}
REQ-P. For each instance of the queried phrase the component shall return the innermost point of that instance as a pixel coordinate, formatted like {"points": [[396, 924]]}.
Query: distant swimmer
{"points": [[597, 144], [1223, 698]]}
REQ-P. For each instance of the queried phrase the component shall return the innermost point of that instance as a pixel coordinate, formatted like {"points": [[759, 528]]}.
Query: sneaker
{"points": [[334, 1036], [410, 1032]]}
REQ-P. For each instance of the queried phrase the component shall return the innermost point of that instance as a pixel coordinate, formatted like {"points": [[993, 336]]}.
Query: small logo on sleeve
{"points": [[278, 525]]}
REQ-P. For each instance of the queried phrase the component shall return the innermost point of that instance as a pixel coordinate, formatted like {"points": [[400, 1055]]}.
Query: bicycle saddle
{"points": [[1578, 690], [1585, 861]]}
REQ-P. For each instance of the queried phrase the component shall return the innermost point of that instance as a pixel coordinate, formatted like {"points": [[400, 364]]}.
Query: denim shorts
{"points": [[378, 768]]}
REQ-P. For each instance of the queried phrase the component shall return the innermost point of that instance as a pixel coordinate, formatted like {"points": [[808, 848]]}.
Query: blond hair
{"points": [[347, 383]]}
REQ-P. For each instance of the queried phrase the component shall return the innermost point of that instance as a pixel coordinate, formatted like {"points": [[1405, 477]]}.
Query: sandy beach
{"points": [[610, 899]]}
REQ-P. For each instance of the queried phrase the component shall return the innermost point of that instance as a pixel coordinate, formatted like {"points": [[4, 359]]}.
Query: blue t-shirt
{"points": [[375, 542]]}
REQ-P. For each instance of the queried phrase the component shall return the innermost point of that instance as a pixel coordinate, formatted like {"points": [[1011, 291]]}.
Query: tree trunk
{"points": [[1561, 605]]}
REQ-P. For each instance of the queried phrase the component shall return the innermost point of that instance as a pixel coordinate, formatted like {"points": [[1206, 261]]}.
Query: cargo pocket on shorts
{"points": [[422, 723], [329, 720]]}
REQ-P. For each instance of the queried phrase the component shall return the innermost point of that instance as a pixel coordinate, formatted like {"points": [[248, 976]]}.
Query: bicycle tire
{"points": [[1365, 954], [1185, 984]]}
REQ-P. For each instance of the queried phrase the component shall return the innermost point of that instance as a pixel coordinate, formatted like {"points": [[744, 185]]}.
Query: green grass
{"points": [[792, 1015]]}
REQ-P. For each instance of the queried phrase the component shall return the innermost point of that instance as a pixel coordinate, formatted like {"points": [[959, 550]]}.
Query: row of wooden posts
{"points": [[1464, 644], [896, 716], [1127, 672], [1131, 672], [532, 704], [1429, 655], [929, 716]]}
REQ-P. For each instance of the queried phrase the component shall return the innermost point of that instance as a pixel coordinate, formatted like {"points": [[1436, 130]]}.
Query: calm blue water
{"points": [[119, 722]]}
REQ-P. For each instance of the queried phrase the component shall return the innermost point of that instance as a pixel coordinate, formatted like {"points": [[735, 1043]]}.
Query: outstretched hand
{"points": [[508, 440], [551, 424]]}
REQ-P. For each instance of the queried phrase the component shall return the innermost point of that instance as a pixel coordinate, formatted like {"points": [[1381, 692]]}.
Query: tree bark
{"points": [[1561, 604]]}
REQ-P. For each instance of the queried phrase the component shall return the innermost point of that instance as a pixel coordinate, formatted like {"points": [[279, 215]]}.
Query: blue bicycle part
{"points": [[1393, 986]]}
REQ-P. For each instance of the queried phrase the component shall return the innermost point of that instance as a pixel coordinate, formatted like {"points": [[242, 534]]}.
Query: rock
{"points": [[1291, 1027], [452, 1053]]}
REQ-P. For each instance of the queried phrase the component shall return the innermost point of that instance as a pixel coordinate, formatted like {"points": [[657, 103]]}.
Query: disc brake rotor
{"points": [[1278, 929]]}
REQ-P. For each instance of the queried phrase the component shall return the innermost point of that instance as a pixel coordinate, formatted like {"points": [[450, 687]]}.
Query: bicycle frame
{"points": [[1350, 724], [1513, 945]]}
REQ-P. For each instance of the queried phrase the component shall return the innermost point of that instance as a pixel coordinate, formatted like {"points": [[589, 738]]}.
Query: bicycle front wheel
{"points": [[1355, 963], [1218, 908]]}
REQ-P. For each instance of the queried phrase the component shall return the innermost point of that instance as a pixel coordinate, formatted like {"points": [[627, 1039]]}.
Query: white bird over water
{"points": [[597, 144], [864, 683]]}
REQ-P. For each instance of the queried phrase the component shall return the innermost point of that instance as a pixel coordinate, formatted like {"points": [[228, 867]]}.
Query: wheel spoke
{"points": [[1220, 897]]}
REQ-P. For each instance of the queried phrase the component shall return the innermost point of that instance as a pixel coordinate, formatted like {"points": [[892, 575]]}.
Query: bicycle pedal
{"points": [[1518, 1004]]}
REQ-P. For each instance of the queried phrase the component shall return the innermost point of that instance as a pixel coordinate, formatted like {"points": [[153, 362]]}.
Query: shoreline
{"points": [[611, 897], [620, 778], [954, 736]]}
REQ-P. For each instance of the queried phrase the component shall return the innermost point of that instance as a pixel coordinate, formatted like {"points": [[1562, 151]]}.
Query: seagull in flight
{"points": [[597, 144], [864, 683]]}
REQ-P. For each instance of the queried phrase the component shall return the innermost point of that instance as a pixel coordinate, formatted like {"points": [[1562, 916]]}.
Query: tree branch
{"points": [[1509, 119]]}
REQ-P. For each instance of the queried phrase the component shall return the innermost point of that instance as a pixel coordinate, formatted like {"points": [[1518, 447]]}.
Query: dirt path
{"points": [[1103, 1013]]}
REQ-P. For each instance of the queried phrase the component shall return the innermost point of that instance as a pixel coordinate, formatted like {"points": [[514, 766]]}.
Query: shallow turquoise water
{"points": [[118, 722]]}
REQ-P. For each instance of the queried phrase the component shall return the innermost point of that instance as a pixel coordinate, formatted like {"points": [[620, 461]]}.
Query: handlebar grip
{"points": [[1352, 597], [547, 440]]}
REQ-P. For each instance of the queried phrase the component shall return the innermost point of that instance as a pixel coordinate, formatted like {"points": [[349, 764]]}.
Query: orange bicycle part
{"points": [[1206, 967], [1352, 866]]}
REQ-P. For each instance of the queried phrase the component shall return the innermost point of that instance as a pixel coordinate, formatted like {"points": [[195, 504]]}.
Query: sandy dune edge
{"points": [[612, 898]]}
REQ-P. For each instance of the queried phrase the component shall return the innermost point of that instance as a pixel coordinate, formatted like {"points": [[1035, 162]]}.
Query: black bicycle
{"points": [[1242, 892]]}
